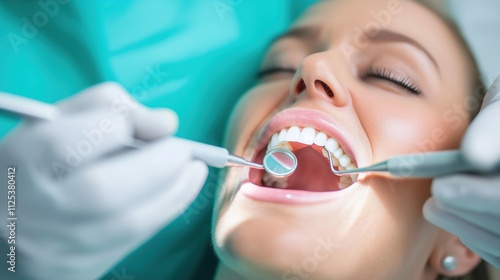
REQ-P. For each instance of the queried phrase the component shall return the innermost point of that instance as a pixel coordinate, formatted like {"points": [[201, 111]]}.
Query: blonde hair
{"points": [[478, 90]]}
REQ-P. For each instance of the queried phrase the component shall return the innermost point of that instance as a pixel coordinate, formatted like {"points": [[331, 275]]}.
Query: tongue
{"points": [[313, 172]]}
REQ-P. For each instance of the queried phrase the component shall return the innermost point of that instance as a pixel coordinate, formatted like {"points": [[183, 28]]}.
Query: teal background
{"points": [[196, 57]]}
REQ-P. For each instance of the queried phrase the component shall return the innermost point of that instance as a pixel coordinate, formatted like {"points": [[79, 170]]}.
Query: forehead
{"points": [[335, 20], [383, 11], [345, 17]]}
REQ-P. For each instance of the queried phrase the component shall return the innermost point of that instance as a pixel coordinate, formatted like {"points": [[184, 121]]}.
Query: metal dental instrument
{"points": [[424, 165], [280, 162], [277, 162]]}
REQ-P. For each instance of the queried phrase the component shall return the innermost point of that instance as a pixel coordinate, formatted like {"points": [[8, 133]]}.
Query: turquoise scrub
{"points": [[196, 57]]}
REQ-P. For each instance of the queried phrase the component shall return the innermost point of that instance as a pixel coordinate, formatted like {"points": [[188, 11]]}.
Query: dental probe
{"points": [[423, 165], [277, 162]]}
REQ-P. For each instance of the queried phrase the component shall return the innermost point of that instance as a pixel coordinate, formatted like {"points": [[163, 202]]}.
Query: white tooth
{"points": [[282, 135], [320, 139], [343, 186], [354, 177], [293, 134], [338, 152], [273, 182], [350, 166], [307, 136], [267, 179], [274, 141], [331, 145], [281, 183], [341, 168], [344, 160], [335, 161], [345, 179], [284, 145]]}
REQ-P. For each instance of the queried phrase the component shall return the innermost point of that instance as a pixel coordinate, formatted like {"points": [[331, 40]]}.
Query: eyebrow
{"points": [[385, 35], [307, 33], [304, 33]]}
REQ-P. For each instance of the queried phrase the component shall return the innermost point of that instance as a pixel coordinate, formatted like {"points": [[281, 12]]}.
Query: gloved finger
{"points": [[154, 124], [464, 230], [139, 221], [136, 225], [133, 175], [169, 205], [75, 140], [108, 95], [480, 143], [166, 205], [493, 94], [484, 221], [474, 193], [490, 258], [148, 124]]}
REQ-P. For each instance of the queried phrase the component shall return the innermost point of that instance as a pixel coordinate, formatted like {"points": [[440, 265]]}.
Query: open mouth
{"points": [[313, 172]]}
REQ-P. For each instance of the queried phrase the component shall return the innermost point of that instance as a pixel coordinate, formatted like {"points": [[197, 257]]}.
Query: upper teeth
{"points": [[309, 136]]}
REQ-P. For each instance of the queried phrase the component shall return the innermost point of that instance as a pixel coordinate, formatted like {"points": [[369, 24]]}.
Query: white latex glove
{"points": [[83, 204], [469, 205]]}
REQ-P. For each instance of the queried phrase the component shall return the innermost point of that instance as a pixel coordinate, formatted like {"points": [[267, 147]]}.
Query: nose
{"points": [[318, 77]]}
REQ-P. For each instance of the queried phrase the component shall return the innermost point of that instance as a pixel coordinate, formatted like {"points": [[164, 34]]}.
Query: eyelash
{"points": [[371, 72], [273, 70], [386, 74]]}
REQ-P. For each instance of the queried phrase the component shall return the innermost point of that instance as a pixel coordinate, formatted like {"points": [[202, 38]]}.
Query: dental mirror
{"points": [[280, 162]]}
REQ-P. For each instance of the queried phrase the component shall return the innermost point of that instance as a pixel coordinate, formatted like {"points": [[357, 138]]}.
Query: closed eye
{"points": [[385, 74]]}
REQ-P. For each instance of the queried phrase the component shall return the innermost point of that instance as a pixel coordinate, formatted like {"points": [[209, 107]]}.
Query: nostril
{"points": [[301, 86], [325, 87]]}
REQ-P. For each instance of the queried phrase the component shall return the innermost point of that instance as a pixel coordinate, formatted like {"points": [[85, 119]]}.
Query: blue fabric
{"points": [[196, 57]]}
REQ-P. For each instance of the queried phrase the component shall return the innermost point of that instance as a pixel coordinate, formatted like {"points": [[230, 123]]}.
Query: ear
{"points": [[450, 245]]}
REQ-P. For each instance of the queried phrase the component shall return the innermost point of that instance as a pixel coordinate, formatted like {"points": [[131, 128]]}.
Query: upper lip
{"points": [[303, 118]]}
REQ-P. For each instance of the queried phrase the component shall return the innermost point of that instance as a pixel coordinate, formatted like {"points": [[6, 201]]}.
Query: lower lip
{"points": [[284, 195]]}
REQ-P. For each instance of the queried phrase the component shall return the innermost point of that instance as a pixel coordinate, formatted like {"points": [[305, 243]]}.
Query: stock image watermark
{"points": [[203, 200], [154, 78], [456, 117], [75, 154], [222, 7], [120, 108], [30, 25], [122, 275], [363, 36], [11, 218], [321, 252]]}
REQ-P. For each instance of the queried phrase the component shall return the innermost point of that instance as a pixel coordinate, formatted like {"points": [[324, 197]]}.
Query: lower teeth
{"points": [[281, 183], [343, 185], [271, 181]]}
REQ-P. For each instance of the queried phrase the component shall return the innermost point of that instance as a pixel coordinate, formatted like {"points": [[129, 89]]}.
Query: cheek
{"points": [[396, 127], [253, 109]]}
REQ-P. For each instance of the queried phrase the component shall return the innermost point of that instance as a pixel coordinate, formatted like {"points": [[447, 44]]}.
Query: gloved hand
{"points": [[469, 205], [84, 200]]}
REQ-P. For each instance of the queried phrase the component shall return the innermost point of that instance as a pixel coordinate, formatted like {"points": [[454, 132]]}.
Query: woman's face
{"points": [[380, 78]]}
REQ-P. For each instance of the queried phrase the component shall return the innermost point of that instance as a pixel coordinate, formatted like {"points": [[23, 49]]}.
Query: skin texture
{"points": [[375, 228]]}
